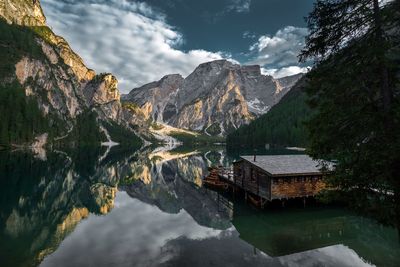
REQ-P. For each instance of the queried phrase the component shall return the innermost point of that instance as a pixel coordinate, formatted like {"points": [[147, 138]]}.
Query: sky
{"points": [[140, 41]]}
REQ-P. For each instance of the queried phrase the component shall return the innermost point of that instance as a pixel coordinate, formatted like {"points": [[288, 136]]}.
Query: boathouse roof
{"points": [[286, 165]]}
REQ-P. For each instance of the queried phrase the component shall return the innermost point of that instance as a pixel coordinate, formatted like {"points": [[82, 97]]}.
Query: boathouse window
{"points": [[252, 175]]}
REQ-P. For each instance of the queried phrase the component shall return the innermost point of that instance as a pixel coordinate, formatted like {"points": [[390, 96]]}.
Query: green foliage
{"points": [[200, 139], [122, 135], [86, 131], [130, 105], [354, 91], [44, 32], [86, 159], [16, 42], [99, 77], [283, 125], [214, 129], [21, 120]]}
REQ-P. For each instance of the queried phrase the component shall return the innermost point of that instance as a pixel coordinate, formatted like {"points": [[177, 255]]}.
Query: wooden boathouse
{"points": [[266, 178]]}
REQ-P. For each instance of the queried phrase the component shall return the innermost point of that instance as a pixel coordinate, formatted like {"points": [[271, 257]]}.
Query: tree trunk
{"points": [[397, 206]]}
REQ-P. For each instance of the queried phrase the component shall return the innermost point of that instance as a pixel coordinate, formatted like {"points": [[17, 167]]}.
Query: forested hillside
{"points": [[21, 120], [282, 125], [42, 95]]}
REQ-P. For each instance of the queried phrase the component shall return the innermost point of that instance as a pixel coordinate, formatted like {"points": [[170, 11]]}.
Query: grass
{"points": [[156, 126], [44, 32]]}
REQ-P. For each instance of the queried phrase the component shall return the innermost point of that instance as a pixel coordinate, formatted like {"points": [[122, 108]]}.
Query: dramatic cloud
{"points": [[285, 71], [126, 38], [279, 53]]}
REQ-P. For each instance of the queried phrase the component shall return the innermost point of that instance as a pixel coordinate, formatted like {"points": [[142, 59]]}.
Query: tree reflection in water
{"points": [[45, 199]]}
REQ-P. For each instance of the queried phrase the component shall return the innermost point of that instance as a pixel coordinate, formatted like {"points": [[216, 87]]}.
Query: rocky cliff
{"points": [[23, 12], [153, 97], [218, 97], [49, 71]]}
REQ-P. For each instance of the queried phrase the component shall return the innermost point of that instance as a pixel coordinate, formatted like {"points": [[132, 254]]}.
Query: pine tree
{"points": [[353, 90]]}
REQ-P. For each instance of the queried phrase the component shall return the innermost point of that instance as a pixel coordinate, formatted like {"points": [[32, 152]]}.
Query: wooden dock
{"points": [[214, 179], [263, 179], [221, 178]]}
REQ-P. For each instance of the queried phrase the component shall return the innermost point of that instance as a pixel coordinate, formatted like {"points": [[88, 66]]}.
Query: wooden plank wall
{"points": [[299, 186], [251, 179]]}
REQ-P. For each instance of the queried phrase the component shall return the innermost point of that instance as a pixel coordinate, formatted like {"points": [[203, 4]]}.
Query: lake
{"points": [[118, 207]]}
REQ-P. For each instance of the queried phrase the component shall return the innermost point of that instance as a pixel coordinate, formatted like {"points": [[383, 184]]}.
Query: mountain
{"points": [[216, 98], [47, 92], [153, 97], [283, 125]]}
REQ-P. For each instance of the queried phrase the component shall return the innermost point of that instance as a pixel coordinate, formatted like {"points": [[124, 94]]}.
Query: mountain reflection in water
{"points": [[148, 208]]}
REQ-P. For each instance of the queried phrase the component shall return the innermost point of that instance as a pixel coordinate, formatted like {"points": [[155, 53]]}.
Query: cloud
{"points": [[248, 35], [126, 38], [285, 71], [139, 234], [281, 49], [278, 53], [239, 6], [132, 234]]}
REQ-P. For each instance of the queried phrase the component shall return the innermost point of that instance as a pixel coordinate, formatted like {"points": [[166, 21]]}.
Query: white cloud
{"points": [[126, 38], [239, 6], [280, 50], [248, 35], [285, 71], [132, 234], [139, 234]]}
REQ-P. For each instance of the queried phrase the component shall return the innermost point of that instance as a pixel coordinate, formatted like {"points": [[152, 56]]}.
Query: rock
{"points": [[103, 196], [22, 12], [218, 97], [38, 146], [102, 90], [153, 97], [59, 80], [40, 78]]}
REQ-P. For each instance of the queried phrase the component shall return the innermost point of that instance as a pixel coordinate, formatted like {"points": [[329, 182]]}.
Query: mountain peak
{"points": [[219, 63], [251, 70], [217, 97], [171, 77], [23, 12]]}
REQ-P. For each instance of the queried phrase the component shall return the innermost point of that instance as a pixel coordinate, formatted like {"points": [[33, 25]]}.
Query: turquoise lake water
{"points": [[93, 207]]}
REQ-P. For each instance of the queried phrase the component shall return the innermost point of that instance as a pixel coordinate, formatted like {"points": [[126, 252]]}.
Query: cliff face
{"points": [[23, 12], [55, 75], [216, 98], [153, 97], [102, 93], [40, 77]]}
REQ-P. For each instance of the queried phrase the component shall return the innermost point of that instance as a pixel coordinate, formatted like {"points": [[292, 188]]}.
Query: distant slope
{"points": [[282, 125]]}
